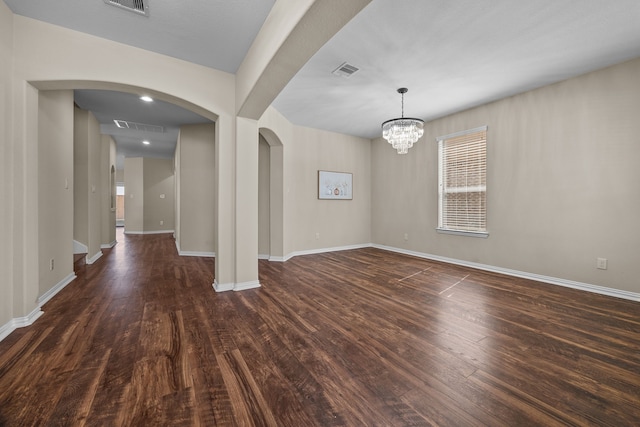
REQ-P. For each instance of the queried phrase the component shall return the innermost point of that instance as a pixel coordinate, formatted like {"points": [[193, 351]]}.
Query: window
{"points": [[462, 182]]}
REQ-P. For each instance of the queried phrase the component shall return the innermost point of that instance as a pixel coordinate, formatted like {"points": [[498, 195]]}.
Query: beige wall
{"points": [[87, 156], [55, 187], [107, 215], [146, 179], [195, 157], [134, 195], [176, 192], [562, 182], [158, 191], [94, 140], [81, 176], [264, 220], [275, 129], [6, 164], [339, 223]]}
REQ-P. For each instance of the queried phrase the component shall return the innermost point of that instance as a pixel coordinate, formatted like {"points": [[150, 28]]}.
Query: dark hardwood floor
{"points": [[361, 337]]}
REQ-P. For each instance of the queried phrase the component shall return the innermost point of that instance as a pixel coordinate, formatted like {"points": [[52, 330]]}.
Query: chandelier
{"points": [[402, 133]]}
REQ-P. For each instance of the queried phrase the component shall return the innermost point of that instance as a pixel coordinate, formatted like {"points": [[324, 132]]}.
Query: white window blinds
{"points": [[463, 181]]}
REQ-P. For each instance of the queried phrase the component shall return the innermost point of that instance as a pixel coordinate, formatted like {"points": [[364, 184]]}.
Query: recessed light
{"points": [[145, 142], [146, 98]]}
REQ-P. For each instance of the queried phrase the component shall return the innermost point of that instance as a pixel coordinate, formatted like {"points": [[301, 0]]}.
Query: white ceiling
{"points": [[108, 106], [451, 54], [213, 33]]}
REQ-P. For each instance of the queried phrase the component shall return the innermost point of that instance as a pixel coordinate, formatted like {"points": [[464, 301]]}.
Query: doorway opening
{"points": [[120, 204]]}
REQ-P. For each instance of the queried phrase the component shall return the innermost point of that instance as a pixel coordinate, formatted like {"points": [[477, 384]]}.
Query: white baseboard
{"points": [[194, 253], [618, 293], [222, 287], [263, 256], [321, 250], [42, 300], [149, 232], [79, 248], [94, 258], [108, 245], [509, 272], [19, 322], [246, 285], [225, 287]]}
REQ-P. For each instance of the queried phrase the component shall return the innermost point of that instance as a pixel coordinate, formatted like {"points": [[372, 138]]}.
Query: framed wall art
{"points": [[335, 185]]}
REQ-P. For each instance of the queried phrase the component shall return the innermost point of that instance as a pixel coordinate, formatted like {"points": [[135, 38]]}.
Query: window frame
{"points": [[442, 190]]}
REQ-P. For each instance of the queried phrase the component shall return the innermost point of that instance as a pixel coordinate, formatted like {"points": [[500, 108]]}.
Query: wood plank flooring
{"points": [[361, 337]]}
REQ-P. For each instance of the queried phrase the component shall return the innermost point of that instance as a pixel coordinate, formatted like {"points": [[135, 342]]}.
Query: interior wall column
{"points": [[246, 269], [225, 206], [25, 213]]}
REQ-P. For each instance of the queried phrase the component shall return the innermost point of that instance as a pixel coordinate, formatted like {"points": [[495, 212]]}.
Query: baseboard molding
{"points": [[194, 253], [277, 259], [42, 300], [20, 322], [632, 296], [201, 254], [225, 287], [108, 245], [246, 285], [262, 256], [94, 258], [80, 248], [322, 250], [150, 232], [222, 287]]}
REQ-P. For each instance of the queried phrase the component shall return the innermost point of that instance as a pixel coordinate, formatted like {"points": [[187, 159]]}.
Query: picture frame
{"points": [[335, 185]]}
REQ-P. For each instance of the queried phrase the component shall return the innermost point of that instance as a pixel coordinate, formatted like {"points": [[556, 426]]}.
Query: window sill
{"points": [[480, 234]]}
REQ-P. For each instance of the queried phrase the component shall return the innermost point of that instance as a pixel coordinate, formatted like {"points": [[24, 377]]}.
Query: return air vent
{"points": [[345, 70], [123, 124], [141, 7]]}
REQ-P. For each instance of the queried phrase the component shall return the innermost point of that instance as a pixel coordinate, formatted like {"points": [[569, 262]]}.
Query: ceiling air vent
{"points": [[345, 70], [123, 124], [141, 7]]}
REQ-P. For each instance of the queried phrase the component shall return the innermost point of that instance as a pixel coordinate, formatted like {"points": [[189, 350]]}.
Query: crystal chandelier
{"points": [[402, 133]]}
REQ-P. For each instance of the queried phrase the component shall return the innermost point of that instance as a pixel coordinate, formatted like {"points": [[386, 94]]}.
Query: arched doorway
{"points": [[270, 196]]}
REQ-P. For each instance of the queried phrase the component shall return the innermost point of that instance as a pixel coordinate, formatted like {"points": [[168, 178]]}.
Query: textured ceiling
{"points": [[213, 33], [451, 54]]}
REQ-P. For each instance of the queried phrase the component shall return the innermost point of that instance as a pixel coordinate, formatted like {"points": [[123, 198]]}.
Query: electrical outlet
{"points": [[317, 236], [406, 236], [601, 263], [161, 222], [51, 264]]}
